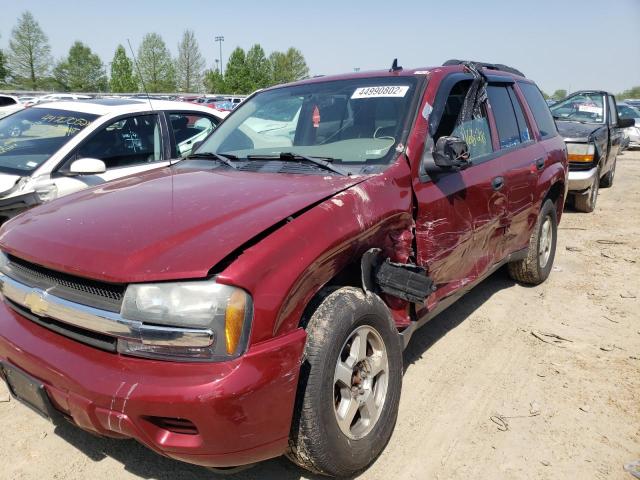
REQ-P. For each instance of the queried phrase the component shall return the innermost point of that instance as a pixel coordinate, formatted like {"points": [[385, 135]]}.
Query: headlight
{"points": [[182, 307], [580, 152]]}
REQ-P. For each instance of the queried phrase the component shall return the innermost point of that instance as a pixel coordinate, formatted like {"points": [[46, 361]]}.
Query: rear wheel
{"points": [[607, 180], [535, 268], [350, 385], [587, 202]]}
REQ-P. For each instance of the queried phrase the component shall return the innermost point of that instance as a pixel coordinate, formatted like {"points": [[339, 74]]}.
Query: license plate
{"points": [[27, 390]]}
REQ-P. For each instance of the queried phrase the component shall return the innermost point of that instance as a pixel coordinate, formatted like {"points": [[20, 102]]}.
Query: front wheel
{"points": [[350, 385], [587, 202], [535, 268]]}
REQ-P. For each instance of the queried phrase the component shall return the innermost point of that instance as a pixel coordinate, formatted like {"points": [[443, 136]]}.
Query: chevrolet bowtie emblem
{"points": [[35, 302]]}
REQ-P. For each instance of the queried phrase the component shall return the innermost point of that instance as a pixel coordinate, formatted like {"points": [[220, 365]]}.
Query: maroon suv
{"points": [[254, 299]]}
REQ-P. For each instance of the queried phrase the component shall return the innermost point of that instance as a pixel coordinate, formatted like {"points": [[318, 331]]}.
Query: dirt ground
{"points": [[488, 391]]}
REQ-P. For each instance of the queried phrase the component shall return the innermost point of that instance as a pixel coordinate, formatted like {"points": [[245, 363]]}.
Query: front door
{"points": [[459, 214]]}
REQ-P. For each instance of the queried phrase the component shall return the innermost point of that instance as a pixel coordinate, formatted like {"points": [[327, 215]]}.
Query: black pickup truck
{"points": [[588, 121]]}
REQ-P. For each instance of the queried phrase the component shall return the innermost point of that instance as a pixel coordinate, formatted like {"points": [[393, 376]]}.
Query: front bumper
{"points": [[581, 179], [242, 409]]}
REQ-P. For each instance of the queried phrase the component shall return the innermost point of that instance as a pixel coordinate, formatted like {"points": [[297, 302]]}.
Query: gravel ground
{"points": [[488, 393]]}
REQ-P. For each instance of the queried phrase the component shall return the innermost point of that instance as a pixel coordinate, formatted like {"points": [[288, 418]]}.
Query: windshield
{"points": [[583, 107], [626, 111], [29, 137], [351, 123]]}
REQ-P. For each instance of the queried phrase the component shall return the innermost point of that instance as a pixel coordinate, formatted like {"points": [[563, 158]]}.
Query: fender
{"points": [[307, 252]]}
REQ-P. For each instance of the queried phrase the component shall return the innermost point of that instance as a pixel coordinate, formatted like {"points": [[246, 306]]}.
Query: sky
{"points": [[568, 44]]}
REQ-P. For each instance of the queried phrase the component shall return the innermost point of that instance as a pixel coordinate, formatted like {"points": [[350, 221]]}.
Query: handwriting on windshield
{"points": [[68, 120], [7, 147]]}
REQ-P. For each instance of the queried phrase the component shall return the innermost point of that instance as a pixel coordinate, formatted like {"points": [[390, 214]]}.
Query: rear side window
{"points": [[504, 115], [540, 110]]}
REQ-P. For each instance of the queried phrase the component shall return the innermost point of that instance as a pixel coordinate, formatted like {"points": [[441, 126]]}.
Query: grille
{"points": [[106, 296], [97, 340]]}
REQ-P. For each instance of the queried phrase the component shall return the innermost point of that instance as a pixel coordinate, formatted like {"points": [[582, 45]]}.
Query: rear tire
{"points": [[536, 266], [350, 385], [607, 180], [587, 202]]}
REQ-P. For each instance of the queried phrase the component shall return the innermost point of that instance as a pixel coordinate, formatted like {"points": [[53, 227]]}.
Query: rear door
{"points": [[522, 159]]}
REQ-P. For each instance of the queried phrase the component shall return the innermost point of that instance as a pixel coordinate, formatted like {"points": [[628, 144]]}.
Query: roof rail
{"points": [[489, 66]]}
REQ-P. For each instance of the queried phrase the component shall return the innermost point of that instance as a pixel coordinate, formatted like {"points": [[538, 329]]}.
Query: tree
{"points": [[559, 94], [156, 65], [189, 64], [122, 77], [81, 71], [214, 82], [258, 68], [29, 52], [3, 68], [633, 92], [288, 67], [236, 75]]}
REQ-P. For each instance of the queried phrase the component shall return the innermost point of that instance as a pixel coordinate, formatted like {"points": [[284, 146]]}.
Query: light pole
{"points": [[220, 39]]}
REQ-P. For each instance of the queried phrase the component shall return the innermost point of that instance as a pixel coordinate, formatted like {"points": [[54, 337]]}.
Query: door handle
{"points": [[497, 183], [539, 163]]}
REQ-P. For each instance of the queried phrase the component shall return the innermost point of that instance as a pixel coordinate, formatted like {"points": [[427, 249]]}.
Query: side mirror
{"points": [[87, 166], [625, 122], [451, 153]]}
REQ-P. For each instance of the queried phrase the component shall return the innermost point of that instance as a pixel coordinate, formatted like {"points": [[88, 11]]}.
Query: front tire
{"points": [[607, 180], [350, 385], [536, 266]]}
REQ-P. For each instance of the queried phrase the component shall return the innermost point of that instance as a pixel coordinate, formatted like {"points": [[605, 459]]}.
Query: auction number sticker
{"points": [[590, 109], [374, 92]]}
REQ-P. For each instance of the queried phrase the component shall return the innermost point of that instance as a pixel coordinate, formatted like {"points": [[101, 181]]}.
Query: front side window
{"points": [[613, 112], [582, 107], [189, 128], [126, 142], [29, 137], [354, 122]]}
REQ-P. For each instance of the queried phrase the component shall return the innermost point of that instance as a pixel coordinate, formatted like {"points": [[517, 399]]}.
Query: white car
{"points": [[9, 104], [53, 149], [59, 97]]}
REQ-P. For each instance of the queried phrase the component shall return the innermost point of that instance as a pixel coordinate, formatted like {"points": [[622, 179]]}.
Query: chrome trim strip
{"points": [[43, 304]]}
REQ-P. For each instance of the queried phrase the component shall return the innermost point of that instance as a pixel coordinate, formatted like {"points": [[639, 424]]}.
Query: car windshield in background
{"points": [[354, 122], [580, 108], [29, 137], [626, 111]]}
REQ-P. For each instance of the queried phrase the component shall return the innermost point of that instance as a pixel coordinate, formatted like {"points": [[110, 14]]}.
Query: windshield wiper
{"points": [[322, 162], [224, 158]]}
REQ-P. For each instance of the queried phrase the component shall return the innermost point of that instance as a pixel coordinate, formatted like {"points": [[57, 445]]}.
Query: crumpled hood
{"points": [[162, 225], [7, 182], [577, 131]]}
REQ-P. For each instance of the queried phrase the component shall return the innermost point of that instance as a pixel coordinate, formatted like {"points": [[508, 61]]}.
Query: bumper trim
{"points": [[581, 180], [41, 303]]}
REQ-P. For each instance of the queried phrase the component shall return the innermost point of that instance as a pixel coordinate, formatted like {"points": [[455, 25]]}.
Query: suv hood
{"points": [[163, 225], [577, 131]]}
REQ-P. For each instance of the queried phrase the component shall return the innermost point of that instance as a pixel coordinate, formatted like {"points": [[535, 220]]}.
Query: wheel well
{"points": [[556, 195]]}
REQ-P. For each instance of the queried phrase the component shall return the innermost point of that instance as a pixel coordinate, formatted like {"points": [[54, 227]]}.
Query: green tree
{"points": [[3, 68], [258, 68], [81, 71], [214, 82], [633, 92], [559, 94], [236, 75], [288, 67], [29, 52], [122, 77], [156, 65], [189, 64]]}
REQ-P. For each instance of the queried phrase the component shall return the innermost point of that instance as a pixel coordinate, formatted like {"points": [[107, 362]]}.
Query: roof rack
{"points": [[489, 66]]}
